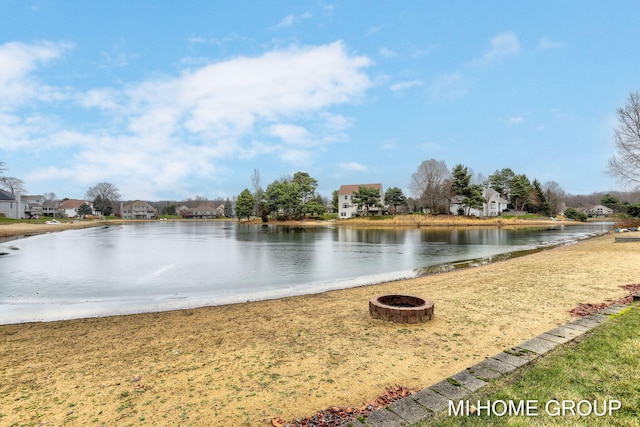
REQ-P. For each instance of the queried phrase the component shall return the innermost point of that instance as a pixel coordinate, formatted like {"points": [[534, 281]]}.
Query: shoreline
{"points": [[246, 363]]}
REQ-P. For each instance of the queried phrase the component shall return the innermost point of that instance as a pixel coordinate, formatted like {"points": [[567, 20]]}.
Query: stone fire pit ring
{"points": [[401, 308]]}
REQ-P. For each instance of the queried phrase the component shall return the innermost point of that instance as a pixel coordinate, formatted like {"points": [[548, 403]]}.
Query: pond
{"points": [[157, 266]]}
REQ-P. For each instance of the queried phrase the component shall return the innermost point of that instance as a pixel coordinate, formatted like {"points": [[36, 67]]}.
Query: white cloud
{"points": [[352, 166], [291, 20], [449, 86], [152, 136], [387, 53], [545, 43], [502, 45], [17, 84], [516, 120], [401, 86]]}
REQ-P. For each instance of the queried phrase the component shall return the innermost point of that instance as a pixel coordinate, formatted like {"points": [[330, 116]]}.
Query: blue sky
{"points": [[169, 100]]}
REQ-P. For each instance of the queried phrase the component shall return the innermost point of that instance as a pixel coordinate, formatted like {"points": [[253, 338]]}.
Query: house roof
{"points": [[138, 203], [350, 189], [5, 195], [72, 204]]}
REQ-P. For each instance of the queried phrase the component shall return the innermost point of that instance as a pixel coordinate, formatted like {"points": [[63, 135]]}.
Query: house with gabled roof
{"points": [[348, 209], [494, 205], [10, 205], [138, 210], [69, 207]]}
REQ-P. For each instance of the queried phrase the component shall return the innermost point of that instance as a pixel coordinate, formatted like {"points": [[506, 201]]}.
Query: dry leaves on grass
{"points": [[335, 416], [587, 308]]}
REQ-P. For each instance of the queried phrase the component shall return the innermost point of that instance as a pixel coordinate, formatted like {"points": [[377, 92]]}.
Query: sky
{"points": [[171, 100]]}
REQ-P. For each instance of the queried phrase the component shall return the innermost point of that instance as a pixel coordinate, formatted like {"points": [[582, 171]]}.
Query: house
{"points": [[138, 210], [599, 210], [202, 211], [32, 206], [51, 208], [69, 208], [10, 205], [348, 209], [493, 206]]}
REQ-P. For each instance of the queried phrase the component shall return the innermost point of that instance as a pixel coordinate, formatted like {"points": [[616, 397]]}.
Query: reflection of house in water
{"points": [[138, 210]]}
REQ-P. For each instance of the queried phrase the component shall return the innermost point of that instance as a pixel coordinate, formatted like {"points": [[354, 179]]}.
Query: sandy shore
{"points": [[244, 364]]}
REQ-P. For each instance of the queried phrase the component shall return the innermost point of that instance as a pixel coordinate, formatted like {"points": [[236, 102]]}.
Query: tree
{"points": [[571, 213], [625, 163], [12, 184], [102, 205], [429, 184], [228, 209], [258, 194], [555, 196], [169, 210], [612, 202], [335, 202], [50, 196], [520, 191], [244, 204], [366, 197], [105, 190], [84, 210], [538, 200], [501, 182], [470, 194], [395, 197]]}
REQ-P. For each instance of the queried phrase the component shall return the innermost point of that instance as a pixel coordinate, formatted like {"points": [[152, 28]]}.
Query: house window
{"points": [[346, 197], [345, 206]]}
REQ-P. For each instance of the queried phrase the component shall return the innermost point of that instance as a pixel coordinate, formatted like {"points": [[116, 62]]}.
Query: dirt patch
{"points": [[246, 364]]}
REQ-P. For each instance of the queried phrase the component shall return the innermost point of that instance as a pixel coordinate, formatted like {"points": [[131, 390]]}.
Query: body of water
{"points": [[158, 266]]}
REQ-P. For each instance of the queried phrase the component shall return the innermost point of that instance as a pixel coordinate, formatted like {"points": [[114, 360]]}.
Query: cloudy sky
{"points": [[169, 100]]}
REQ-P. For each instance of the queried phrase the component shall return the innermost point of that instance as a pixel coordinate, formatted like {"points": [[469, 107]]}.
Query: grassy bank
{"points": [[602, 367]]}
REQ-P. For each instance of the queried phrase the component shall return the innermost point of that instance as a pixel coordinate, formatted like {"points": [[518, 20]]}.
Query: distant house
{"points": [[138, 210], [69, 208], [10, 205], [493, 206], [51, 208], [204, 211], [32, 206], [348, 209], [599, 210]]}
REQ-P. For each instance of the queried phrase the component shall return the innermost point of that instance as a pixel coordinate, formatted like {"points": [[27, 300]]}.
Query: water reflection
{"points": [[160, 266]]}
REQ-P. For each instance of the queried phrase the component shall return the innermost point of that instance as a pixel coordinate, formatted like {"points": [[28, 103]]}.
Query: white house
{"points": [[348, 209], [10, 205], [599, 210], [493, 206], [32, 206], [69, 207]]}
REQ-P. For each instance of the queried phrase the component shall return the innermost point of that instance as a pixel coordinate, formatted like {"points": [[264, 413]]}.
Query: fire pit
{"points": [[401, 308]]}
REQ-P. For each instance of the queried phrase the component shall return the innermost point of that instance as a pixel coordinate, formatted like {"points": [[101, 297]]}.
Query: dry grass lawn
{"points": [[244, 364]]}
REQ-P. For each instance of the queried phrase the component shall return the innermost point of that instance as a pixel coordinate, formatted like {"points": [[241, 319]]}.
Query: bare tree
{"points": [[429, 183], [555, 196], [105, 190], [625, 163], [12, 184], [50, 196], [257, 191]]}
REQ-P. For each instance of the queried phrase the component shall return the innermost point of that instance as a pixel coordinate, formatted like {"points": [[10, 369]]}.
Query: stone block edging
{"points": [[428, 402]]}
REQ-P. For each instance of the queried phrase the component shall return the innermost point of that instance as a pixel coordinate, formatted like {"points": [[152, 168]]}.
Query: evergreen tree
{"points": [[228, 209], [244, 204], [366, 197], [395, 197]]}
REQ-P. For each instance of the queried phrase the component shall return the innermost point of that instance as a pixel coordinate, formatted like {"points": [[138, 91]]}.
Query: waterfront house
{"points": [[138, 210], [494, 205], [32, 206], [599, 210], [10, 205], [348, 209], [69, 207]]}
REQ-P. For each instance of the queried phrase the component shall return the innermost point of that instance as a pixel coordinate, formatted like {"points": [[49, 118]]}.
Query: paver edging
{"points": [[506, 361]]}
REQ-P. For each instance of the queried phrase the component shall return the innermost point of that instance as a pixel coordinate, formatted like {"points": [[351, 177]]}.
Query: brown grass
{"points": [[243, 364]]}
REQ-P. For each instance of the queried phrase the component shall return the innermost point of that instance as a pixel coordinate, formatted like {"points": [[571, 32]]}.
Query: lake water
{"points": [[158, 266]]}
